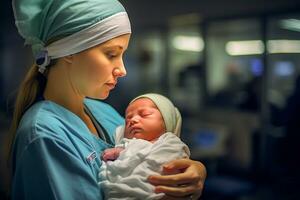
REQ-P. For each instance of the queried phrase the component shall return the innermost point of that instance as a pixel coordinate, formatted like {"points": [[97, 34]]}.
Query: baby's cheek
{"points": [[127, 134]]}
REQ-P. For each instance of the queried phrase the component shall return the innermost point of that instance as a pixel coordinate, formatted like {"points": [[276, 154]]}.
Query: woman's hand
{"points": [[187, 183]]}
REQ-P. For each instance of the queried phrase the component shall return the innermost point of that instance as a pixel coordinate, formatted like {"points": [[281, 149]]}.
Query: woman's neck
{"points": [[59, 90]]}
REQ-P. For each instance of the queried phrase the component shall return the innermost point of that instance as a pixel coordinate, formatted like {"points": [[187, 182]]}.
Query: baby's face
{"points": [[143, 120]]}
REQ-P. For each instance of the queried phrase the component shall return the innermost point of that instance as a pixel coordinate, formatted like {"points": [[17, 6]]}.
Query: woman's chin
{"points": [[100, 95]]}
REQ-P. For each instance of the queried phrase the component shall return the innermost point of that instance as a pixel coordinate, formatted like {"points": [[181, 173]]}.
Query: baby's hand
{"points": [[111, 154]]}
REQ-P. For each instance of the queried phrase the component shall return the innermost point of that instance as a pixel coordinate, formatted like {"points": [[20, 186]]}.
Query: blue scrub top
{"points": [[55, 156]]}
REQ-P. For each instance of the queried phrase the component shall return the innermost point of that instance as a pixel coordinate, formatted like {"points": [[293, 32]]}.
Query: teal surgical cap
{"points": [[39, 21]]}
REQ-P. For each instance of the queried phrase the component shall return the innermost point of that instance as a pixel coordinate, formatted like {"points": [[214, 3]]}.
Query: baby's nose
{"points": [[133, 120]]}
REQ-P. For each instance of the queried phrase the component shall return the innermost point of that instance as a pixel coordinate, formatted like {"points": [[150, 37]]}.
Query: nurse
{"points": [[60, 127]]}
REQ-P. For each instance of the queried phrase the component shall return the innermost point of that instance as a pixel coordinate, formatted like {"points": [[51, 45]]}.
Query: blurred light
{"points": [[186, 19], [188, 43], [284, 68], [252, 47], [206, 138], [247, 47], [290, 24], [283, 46], [256, 67]]}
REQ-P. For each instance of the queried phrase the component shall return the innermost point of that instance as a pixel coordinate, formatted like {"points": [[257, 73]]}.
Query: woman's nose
{"points": [[119, 71]]}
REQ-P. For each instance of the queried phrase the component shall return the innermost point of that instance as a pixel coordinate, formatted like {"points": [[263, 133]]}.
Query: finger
{"points": [[177, 164], [104, 156], [171, 171], [188, 177], [182, 191], [168, 197], [194, 196]]}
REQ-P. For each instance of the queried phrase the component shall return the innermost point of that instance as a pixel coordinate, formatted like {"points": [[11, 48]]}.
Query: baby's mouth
{"points": [[135, 130]]}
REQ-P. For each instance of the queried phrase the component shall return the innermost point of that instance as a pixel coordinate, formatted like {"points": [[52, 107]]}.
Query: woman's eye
{"points": [[111, 55]]}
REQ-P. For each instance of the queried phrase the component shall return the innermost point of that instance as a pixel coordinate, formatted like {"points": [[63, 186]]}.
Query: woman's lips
{"points": [[111, 85]]}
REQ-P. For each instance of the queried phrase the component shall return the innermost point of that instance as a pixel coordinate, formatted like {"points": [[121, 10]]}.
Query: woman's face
{"points": [[144, 120], [94, 72]]}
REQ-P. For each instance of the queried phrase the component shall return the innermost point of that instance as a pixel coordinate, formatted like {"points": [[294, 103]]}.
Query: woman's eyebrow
{"points": [[119, 47]]}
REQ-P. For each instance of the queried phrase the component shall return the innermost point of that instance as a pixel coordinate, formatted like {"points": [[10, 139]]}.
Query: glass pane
{"points": [[185, 71], [284, 94], [234, 72], [283, 59], [234, 64]]}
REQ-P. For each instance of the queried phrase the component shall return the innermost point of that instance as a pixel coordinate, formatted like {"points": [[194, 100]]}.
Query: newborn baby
{"points": [[149, 139]]}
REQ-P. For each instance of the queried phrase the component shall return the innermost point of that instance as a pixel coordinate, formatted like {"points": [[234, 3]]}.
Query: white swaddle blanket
{"points": [[126, 177]]}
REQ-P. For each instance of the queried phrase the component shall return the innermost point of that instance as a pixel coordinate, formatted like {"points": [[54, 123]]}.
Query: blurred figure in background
{"points": [[291, 141]]}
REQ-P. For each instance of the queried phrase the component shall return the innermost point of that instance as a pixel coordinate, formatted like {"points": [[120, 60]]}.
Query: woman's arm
{"points": [[189, 183]]}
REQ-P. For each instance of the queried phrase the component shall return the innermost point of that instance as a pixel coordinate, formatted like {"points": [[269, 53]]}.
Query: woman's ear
{"points": [[68, 59]]}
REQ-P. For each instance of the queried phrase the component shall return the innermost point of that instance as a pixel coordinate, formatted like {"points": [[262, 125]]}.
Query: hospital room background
{"points": [[232, 68]]}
